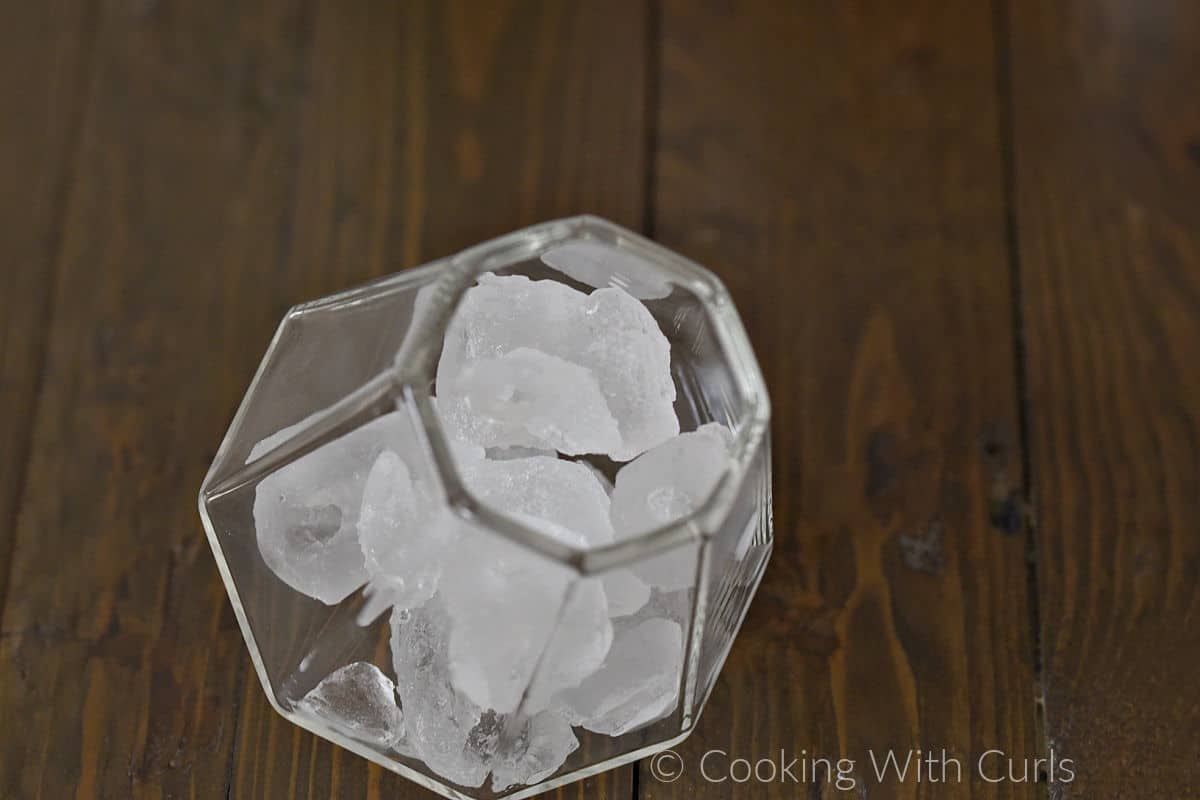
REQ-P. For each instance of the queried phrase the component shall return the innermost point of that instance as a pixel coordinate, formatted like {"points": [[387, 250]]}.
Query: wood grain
{"points": [[839, 166], [931, 215], [44, 52], [1107, 140], [430, 127], [119, 657]]}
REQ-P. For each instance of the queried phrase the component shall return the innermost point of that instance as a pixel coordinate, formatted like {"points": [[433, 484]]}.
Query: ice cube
{"points": [[564, 493], [404, 530], [543, 744], [439, 720], [501, 314], [306, 513], [528, 398], [515, 451], [508, 609], [507, 603], [625, 592], [637, 684], [599, 265], [401, 546], [608, 333], [455, 737], [503, 616], [579, 642], [360, 701], [666, 484], [619, 340]]}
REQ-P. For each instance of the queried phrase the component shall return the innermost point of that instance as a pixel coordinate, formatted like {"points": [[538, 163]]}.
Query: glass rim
{"points": [[414, 369]]}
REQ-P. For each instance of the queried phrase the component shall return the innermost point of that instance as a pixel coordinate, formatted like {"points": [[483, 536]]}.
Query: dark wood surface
{"points": [[854, 201], [1107, 137], [965, 239]]}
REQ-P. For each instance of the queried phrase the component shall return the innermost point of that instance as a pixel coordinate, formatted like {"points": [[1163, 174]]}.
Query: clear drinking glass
{"points": [[341, 367]]}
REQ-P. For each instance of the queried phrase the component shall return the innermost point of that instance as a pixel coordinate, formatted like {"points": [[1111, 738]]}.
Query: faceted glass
{"points": [[352, 375]]}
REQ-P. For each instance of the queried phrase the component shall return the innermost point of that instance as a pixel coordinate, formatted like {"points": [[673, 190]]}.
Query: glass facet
{"points": [[332, 381]]}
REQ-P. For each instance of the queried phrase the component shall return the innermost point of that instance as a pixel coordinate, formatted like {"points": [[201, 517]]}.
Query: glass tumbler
{"points": [[365, 666]]}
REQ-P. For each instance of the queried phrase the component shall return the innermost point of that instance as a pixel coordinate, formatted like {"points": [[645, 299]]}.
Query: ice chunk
{"points": [[638, 683], [625, 592], [306, 513], [666, 484], [619, 340], [507, 609], [608, 334], [502, 314], [502, 618], [508, 605], [403, 530], [466, 453], [526, 397], [455, 737], [580, 640], [401, 546], [565, 494], [360, 701], [670, 481], [542, 745], [515, 451], [599, 265], [439, 721]]}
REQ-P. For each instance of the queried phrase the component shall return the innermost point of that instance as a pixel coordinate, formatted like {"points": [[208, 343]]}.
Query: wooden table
{"points": [[965, 238]]}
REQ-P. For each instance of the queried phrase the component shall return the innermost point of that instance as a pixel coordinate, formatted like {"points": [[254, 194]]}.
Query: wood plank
{"points": [[839, 166], [119, 655], [1107, 136], [433, 126], [44, 49]]}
